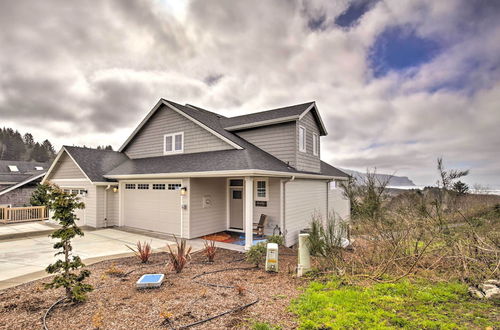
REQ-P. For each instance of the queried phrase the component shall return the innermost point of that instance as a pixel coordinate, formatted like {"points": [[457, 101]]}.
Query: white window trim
{"points": [[173, 151], [315, 144], [305, 139], [257, 198]]}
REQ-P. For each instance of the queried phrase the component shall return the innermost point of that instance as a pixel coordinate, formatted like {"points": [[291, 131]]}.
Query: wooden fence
{"points": [[22, 214]]}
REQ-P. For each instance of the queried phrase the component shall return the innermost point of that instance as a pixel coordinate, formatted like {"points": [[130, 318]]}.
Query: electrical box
{"points": [[272, 257]]}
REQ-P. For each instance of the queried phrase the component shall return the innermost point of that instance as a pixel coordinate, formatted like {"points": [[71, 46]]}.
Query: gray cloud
{"points": [[96, 68]]}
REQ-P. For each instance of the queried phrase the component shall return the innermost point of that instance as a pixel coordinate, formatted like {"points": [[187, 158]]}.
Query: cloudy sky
{"points": [[399, 83]]}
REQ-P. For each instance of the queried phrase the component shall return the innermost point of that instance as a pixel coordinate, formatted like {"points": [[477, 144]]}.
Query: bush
{"points": [[210, 250], [181, 256], [256, 254], [143, 251], [278, 239]]}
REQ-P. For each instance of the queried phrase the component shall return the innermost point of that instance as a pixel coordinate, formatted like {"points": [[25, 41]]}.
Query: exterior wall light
{"points": [[84, 193], [115, 189], [184, 191]]}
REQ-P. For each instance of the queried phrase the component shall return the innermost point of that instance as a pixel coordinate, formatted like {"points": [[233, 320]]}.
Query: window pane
{"points": [[178, 142], [237, 194], [236, 183], [168, 143], [261, 188], [302, 139]]}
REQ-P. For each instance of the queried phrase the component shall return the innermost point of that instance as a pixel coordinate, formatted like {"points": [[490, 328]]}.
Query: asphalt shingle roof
{"points": [[95, 163], [294, 110]]}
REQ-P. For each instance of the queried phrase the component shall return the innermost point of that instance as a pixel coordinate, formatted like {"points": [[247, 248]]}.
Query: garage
{"points": [[153, 206]]}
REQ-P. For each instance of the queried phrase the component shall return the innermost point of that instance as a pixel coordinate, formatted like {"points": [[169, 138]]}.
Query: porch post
{"points": [[248, 212]]}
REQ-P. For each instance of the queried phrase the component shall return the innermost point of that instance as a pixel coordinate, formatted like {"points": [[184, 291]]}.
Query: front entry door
{"points": [[236, 208]]}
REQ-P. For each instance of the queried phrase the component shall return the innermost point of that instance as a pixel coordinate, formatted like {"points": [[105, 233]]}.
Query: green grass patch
{"points": [[410, 305]]}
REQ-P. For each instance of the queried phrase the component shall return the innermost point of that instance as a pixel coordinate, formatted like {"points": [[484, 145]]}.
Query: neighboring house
{"points": [[191, 172], [18, 180]]}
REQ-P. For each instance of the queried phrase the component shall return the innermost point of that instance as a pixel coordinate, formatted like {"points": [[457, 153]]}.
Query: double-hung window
{"points": [[302, 138], [261, 189], [173, 143], [315, 144]]}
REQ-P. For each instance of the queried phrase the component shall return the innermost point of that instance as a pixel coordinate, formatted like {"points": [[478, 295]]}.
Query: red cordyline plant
{"points": [[210, 250], [181, 257], [143, 251]]}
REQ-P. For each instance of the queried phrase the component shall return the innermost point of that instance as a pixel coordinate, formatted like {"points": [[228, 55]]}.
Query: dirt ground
{"points": [[115, 303]]}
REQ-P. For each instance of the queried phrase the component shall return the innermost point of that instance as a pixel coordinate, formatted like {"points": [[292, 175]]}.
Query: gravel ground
{"points": [[116, 304]]}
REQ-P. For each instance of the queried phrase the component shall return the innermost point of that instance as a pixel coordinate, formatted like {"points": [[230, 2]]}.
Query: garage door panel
{"points": [[156, 210]]}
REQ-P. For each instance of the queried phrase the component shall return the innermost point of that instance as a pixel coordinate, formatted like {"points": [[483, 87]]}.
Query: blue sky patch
{"points": [[353, 13], [398, 48]]}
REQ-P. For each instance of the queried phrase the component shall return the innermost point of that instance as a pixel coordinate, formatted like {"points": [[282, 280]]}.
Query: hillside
{"points": [[394, 180]]}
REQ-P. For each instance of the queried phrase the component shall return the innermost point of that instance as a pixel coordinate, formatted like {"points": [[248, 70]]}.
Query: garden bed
{"points": [[115, 303]]}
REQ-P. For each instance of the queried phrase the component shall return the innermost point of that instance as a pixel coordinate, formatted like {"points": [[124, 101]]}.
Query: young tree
{"points": [[40, 196], [460, 188], [63, 206]]}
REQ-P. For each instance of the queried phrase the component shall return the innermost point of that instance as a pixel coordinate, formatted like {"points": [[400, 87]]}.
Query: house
{"points": [[18, 180], [191, 172]]}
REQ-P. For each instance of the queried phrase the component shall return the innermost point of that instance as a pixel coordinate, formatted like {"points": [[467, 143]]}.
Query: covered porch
{"points": [[234, 205]]}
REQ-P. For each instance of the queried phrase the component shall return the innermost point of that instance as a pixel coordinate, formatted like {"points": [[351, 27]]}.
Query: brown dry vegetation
{"points": [[116, 304]]}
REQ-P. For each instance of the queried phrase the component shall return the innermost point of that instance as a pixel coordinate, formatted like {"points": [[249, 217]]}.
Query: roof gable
{"points": [[203, 118]]}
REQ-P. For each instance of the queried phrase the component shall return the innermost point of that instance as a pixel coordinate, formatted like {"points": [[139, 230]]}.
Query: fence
{"points": [[22, 214]]}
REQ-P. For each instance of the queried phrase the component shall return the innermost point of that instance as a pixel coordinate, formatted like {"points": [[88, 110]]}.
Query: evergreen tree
{"points": [[63, 206], [40, 196], [39, 153], [49, 149]]}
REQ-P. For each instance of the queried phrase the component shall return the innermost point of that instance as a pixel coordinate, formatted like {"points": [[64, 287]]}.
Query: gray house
{"points": [[191, 172], [18, 180]]}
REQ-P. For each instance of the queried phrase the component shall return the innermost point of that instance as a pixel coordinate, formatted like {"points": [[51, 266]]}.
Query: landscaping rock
{"points": [[494, 282], [475, 293], [491, 291]]}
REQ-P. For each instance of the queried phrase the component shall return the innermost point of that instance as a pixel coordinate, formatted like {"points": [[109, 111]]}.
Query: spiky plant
{"points": [[181, 256], [142, 251], [210, 250]]}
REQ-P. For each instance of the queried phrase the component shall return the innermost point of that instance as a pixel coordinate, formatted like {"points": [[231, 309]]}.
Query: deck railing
{"points": [[22, 214]]}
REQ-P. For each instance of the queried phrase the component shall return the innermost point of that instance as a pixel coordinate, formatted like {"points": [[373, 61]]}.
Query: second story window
{"points": [[315, 144], [302, 138], [174, 143]]}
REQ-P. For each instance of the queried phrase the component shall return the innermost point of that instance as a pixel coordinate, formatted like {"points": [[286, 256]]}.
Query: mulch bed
{"points": [[115, 303]]}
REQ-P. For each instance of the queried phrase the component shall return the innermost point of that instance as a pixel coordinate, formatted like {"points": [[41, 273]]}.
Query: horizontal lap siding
{"points": [[303, 199], [66, 168], [338, 205], [112, 207], [273, 208], [149, 141], [278, 140], [211, 219], [307, 161]]}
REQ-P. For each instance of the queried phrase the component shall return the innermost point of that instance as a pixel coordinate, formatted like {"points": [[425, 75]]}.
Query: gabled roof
{"points": [[27, 180], [273, 116], [94, 163]]}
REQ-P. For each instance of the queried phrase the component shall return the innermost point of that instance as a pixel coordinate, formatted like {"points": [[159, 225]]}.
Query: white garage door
{"points": [[153, 206]]}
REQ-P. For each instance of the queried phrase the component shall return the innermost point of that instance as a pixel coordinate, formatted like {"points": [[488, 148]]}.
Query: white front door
{"points": [[236, 208]]}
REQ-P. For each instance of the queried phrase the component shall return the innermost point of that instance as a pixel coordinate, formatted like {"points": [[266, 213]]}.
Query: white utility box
{"points": [[272, 257], [150, 281]]}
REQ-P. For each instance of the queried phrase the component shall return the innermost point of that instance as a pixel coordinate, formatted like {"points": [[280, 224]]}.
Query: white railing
{"points": [[22, 214]]}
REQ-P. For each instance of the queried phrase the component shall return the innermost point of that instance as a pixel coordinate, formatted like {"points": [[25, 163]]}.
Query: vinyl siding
{"points": [[338, 205], [273, 208], [112, 207], [211, 219], [149, 141], [90, 201], [66, 168], [100, 206], [303, 199], [307, 161], [278, 140]]}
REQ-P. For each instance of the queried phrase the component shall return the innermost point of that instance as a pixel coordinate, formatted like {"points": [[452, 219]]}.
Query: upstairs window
{"points": [[315, 144], [302, 138], [173, 143]]}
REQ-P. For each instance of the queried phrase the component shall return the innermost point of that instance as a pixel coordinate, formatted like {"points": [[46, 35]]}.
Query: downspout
{"points": [[328, 198], [106, 206], [283, 215]]}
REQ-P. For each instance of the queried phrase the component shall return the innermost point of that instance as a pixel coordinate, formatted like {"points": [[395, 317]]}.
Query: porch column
{"points": [[248, 212]]}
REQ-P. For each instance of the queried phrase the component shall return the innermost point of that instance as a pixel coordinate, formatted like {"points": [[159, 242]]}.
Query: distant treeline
{"points": [[14, 146]]}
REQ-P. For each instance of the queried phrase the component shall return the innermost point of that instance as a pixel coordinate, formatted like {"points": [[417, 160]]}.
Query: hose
{"points": [[48, 311], [236, 309]]}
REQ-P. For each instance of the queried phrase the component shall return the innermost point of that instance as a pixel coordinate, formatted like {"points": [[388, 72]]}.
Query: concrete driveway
{"points": [[25, 259]]}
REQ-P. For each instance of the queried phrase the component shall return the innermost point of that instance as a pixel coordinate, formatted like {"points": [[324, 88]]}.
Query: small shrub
{"points": [[256, 254], [264, 326], [210, 250], [240, 290], [181, 256], [143, 251], [278, 239], [98, 318], [115, 271]]}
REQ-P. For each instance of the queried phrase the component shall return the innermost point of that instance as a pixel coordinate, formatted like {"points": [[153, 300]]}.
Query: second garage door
{"points": [[153, 206]]}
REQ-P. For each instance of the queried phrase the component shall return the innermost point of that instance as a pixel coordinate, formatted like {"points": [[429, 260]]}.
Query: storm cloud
{"points": [[399, 83]]}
